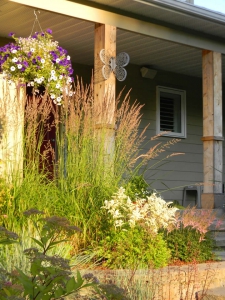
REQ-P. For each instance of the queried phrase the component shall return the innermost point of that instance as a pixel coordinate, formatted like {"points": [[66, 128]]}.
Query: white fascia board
{"points": [[186, 9], [96, 15]]}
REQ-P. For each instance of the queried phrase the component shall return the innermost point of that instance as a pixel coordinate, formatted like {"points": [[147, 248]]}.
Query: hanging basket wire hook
{"points": [[36, 21]]}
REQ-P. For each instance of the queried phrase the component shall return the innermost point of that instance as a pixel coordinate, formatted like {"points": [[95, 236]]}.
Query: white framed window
{"points": [[171, 112]]}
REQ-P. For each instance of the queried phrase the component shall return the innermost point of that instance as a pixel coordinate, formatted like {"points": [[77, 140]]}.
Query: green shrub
{"points": [[49, 277], [176, 204], [137, 187], [186, 245], [133, 248]]}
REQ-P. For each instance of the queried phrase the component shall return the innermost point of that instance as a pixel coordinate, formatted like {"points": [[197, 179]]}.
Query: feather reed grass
{"points": [[93, 153]]}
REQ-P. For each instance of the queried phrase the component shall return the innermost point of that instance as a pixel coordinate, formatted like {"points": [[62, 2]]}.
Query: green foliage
{"points": [[133, 248], [176, 204], [113, 292], [186, 245], [137, 187], [49, 277]]}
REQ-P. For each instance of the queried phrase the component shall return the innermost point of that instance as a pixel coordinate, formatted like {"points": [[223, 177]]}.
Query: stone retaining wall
{"points": [[170, 283]]}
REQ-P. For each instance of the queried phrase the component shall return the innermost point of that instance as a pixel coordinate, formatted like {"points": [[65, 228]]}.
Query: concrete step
{"points": [[220, 242], [219, 238], [219, 254], [215, 226]]}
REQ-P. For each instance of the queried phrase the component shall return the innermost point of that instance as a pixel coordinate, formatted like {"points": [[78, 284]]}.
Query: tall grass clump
{"points": [[95, 154], [74, 157]]}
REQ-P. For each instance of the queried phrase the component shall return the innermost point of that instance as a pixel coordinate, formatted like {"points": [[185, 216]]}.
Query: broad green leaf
{"points": [[22, 275], [44, 239], [79, 278], [26, 282], [34, 269], [8, 242], [7, 292], [42, 296], [46, 297], [37, 242], [71, 284], [57, 242], [59, 292]]}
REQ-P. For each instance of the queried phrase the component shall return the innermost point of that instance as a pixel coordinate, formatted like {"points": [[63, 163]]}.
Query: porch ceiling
{"points": [[77, 36]]}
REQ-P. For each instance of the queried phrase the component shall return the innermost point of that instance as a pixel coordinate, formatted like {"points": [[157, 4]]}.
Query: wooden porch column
{"points": [[12, 101], [212, 129], [104, 89]]}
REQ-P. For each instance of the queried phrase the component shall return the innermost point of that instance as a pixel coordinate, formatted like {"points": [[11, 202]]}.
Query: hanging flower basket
{"points": [[38, 61]]}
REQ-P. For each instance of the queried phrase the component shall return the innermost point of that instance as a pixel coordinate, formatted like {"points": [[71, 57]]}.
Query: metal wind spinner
{"points": [[114, 64]]}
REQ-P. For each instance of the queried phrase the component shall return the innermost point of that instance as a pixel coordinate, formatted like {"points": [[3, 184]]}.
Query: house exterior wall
{"points": [[171, 175]]}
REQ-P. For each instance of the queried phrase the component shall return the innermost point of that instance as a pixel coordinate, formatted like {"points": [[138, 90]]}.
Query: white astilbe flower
{"points": [[152, 212]]}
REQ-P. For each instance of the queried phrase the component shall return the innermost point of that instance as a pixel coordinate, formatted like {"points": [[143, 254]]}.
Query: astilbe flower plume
{"points": [[198, 219], [152, 212]]}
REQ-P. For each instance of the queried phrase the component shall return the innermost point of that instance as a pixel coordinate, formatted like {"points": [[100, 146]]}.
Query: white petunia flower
{"points": [[31, 49], [53, 78], [57, 86], [57, 60], [15, 59], [68, 57], [42, 60], [12, 68], [14, 51], [19, 66], [39, 80]]}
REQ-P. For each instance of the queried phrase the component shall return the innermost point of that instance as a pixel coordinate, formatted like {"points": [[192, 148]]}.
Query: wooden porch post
{"points": [[12, 101], [212, 129], [104, 89]]}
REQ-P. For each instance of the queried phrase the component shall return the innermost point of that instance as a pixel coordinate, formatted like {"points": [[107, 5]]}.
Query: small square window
{"points": [[171, 112]]}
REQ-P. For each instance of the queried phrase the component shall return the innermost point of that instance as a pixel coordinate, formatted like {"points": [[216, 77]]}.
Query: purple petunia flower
{"points": [[25, 63], [70, 71], [49, 31], [11, 33]]}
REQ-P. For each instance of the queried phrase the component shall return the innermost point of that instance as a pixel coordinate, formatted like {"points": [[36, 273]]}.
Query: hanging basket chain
{"points": [[36, 21]]}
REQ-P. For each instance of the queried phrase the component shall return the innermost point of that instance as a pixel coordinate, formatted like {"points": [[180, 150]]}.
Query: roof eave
{"points": [[186, 9]]}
